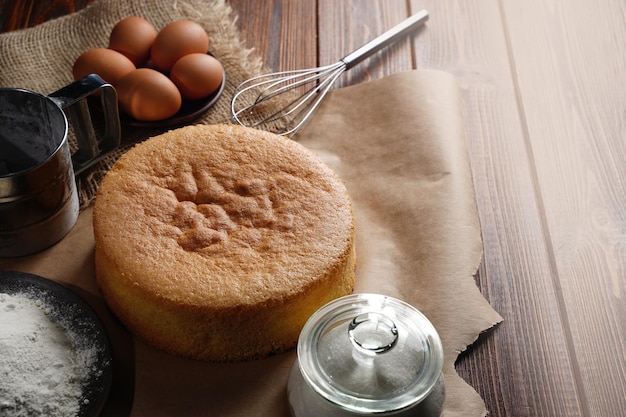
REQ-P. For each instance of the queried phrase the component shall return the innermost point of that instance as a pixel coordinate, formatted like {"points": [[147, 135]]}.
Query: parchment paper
{"points": [[398, 144]]}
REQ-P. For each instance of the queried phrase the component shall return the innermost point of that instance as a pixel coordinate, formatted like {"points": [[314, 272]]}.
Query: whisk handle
{"points": [[386, 39]]}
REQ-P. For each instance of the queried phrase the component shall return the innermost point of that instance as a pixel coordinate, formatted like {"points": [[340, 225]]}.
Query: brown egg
{"points": [[197, 75], [133, 37], [110, 65], [148, 95], [176, 40]]}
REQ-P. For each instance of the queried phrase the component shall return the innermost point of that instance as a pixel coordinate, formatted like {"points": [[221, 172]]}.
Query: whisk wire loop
{"points": [[267, 101], [295, 109], [304, 107]]}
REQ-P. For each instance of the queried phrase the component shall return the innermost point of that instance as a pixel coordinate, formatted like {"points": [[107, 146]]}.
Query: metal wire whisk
{"points": [[263, 102]]}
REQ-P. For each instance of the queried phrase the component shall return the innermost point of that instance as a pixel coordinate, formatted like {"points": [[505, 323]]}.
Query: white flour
{"points": [[41, 372]]}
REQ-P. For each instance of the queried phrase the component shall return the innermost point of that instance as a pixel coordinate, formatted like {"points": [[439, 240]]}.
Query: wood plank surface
{"points": [[283, 33], [347, 25], [528, 350], [27, 13], [543, 86], [572, 95]]}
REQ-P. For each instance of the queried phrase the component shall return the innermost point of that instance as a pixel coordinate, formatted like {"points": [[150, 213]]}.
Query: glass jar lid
{"points": [[370, 353]]}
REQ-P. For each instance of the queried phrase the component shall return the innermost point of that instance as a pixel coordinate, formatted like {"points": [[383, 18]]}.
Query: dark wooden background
{"points": [[544, 101]]}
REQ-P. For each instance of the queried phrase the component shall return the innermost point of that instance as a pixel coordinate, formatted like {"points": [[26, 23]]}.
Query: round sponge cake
{"points": [[218, 242]]}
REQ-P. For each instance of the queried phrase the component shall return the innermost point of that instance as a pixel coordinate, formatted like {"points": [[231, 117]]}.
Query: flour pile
{"points": [[41, 371]]}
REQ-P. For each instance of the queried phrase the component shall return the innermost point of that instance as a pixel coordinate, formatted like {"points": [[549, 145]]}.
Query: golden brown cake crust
{"points": [[215, 226]]}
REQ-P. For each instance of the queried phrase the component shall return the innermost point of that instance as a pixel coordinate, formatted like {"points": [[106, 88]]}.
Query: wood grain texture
{"points": [[347, 25], [27, 13], [572, 94], [529, 349], [283, 33]]}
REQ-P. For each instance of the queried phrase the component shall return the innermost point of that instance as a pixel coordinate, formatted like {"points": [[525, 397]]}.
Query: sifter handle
{"points": [[72, 99], [386, 39]]}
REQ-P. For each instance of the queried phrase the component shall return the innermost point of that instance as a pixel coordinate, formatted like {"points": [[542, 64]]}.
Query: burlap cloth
{"points": [[41, 58]]}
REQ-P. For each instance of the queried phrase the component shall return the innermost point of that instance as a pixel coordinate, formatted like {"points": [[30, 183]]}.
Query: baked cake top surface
{"points": [[223, 215]]}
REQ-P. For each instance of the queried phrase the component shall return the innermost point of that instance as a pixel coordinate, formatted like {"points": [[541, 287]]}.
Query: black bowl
{"points": [[73, 313]]}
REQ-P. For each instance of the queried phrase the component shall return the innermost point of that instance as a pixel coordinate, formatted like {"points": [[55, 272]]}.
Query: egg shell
{"points": [[133, 37], [148, 95], [176, 40], [110, 65], [197, 75]]}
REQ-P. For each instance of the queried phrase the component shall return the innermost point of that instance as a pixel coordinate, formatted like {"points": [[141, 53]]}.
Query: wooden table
{"points": [[544, 101]]}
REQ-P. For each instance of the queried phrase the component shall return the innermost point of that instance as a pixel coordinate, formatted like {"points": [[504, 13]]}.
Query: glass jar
{"points": [[367, 354]]}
